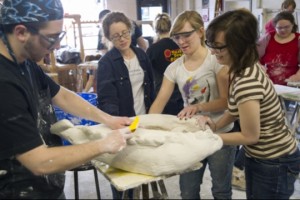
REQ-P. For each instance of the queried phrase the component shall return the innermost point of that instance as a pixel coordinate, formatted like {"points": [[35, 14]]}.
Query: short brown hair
{"points": [[285, 4], [114, 17]]}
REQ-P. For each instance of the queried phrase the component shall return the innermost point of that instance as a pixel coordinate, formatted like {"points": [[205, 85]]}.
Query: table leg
{"points": [[125, 194], [145, 191], [163, 189], [79, 80], [136, 192], [156, 194]]}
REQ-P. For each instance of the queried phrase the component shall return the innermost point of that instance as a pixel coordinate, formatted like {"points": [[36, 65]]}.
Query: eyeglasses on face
{"points": [[212, 46], [183, 35], [280, 28], [117, 37], [52, 40]]}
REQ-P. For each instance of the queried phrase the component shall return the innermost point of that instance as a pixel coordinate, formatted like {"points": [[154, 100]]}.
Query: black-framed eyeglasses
{"points": [[117, 37], [211, 46], [51, 40], [183, 35]]}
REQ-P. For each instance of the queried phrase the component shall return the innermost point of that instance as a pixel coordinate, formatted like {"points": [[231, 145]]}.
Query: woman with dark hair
{"points": [[279, 50], [272, 161], [288, 6]]}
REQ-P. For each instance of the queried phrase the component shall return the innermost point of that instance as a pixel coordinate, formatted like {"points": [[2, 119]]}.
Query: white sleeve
{"points": [[172, 70]]}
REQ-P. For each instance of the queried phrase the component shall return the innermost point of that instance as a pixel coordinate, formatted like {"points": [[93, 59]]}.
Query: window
{"points": [[88, 9], [148, 9]]}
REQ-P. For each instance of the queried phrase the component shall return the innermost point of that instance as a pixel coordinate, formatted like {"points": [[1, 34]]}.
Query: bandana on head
{"points": [[23, 11]]}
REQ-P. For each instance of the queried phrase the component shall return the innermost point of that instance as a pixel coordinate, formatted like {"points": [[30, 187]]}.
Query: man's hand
{"points": [[116, 140], [118, 122]]}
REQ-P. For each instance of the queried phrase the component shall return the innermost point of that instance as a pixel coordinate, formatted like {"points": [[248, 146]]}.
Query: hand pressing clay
{"points": [[161, 145]]}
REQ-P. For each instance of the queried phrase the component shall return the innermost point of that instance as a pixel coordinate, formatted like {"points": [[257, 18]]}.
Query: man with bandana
{"points": [[32, 160]]}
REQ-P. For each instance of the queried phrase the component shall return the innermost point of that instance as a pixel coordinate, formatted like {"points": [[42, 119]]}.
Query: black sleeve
{"points": [[18, 130]]}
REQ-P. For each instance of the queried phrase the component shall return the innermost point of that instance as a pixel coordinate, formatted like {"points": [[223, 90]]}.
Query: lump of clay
{"points": [[161, 145]]}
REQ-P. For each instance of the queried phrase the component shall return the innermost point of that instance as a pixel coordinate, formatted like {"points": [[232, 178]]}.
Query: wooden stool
{"points": [[85, 167]]}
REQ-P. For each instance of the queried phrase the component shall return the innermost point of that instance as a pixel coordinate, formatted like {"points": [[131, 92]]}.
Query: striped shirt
{"points": [[275, 138]]}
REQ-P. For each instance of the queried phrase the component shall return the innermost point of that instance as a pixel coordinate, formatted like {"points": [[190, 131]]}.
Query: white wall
{"points": [[275, 4], [128, 7]]}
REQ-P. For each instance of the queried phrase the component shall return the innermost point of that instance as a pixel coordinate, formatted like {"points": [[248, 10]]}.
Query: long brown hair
{"points": [[241, 34]]}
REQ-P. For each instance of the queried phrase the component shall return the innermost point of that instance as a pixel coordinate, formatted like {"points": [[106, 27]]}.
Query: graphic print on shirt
{"points": [[277, 68], [196, 92], [172, 54]]}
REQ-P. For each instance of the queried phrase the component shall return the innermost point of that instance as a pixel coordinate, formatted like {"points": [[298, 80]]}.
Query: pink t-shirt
{"points": [[281, 60], [269, 27]]}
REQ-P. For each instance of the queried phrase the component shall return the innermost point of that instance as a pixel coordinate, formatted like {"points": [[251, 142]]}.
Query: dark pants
{"points": [[240, 158], [272, 179]]}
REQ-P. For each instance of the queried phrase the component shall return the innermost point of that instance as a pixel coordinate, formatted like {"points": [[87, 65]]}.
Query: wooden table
{"points": [[124, 180], [89, 65]]}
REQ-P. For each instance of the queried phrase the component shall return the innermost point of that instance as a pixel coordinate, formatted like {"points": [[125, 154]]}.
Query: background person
{"points": [[32, 163], [102, 43], [287, 5], [203, 86], [279, 50], [272, 155], [161, 53]]}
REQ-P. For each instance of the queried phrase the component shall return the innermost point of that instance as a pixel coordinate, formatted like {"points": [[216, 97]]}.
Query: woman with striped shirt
{"points": [[272, 156]]}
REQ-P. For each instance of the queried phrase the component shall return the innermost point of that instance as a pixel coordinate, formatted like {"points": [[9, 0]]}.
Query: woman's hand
{"points": [[203, 121], [188, 111], [294, 78]]}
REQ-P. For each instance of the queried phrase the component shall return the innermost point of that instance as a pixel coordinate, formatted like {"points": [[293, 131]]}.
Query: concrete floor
{"points": [[87, 187]]}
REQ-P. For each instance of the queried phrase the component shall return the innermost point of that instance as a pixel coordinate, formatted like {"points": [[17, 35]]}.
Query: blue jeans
{"points": [[240, 159], [220, 166], [271, 179]]}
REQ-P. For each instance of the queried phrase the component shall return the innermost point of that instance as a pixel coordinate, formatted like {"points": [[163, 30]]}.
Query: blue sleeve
{"points": [[107, 93]]}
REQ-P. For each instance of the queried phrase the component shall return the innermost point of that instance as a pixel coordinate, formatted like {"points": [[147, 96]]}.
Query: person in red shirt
{"points": [[279, 50], [287, 5]]}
